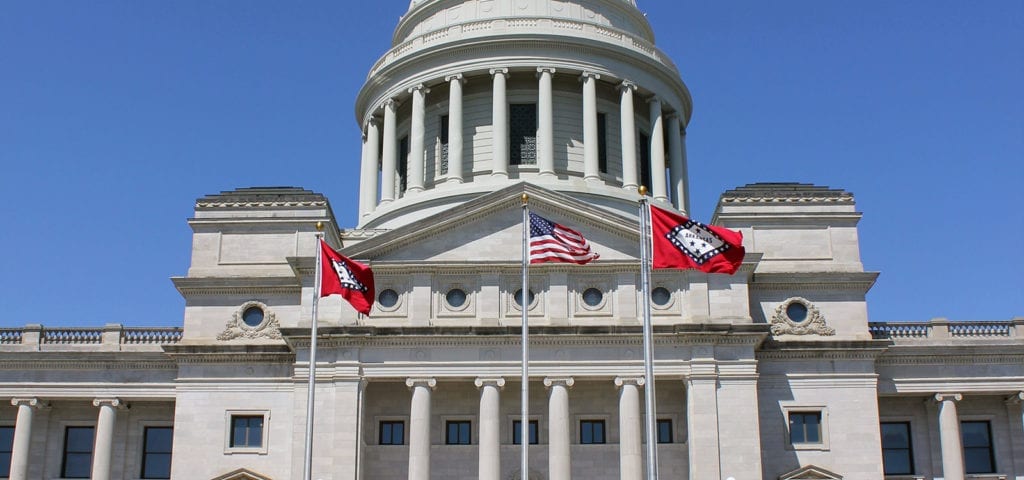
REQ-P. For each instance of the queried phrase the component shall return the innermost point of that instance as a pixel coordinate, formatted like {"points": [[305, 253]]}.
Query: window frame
{"points": [[517, 161], [671, 430], [443, 145], [8, 452], [602, 142], [534, 426], [64, 449], [909, 448], [230, 449], [448, 424], [799, 408], [145, 453], [390, 422], [590, 421], [990, 447]]}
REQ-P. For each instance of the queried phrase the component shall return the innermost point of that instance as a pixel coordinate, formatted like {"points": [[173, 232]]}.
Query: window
{"points": [[77, 461], [591, 431], [403, 164], [664, 430], [602, 143], [522, 134], [443, 141], [804, 427], [392, 432], [977, 441], [644, 142], [156, 452], [458, 432], [246, 431], [6, 446], [517, 432], [897, 455]]}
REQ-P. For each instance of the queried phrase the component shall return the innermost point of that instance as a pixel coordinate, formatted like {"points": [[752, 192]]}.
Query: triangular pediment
{"points": [[810, 472], [488, 230], [242, 474]]}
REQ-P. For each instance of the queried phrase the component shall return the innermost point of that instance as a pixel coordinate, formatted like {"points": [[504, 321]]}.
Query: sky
{"points": [[116, 115]]}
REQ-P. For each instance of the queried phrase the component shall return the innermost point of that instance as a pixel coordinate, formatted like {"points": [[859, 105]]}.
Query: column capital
{"points": [[550, 70], [1015, 399], [419, 88], [654, 99], [672, 116], [421, 382], [637, 381], [390, 103], [559, 381], [627, 85], [489, 382], [586, 75], [502, 71], [455, 76], [33, 402], [109, 402], [941, 397]]}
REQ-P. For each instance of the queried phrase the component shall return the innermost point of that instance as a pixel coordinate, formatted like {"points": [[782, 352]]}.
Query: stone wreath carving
{"points": [[813, 324], [269, 329]]}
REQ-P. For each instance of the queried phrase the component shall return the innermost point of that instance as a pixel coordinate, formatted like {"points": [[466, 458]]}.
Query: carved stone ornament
{"points": [[813, 324], [268, 329]]}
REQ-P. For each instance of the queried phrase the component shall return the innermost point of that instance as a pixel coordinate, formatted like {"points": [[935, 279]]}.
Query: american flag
{"points": [[551, 242]]}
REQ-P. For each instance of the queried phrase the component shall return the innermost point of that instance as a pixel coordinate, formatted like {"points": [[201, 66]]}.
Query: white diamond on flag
{"points": [[697, 241], [345, 276]]}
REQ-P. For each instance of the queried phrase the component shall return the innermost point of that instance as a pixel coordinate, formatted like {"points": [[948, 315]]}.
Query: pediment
{"points": [[488, 230], [242, 474], [810, 472]]}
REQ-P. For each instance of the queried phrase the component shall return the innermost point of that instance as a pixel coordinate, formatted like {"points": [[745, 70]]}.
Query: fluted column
{"points": [[22, 436], [545, 122], [490, 421], [104, 443], [454, 127], [368, 169], [419, 427], [559, 427], [658, 187], [631, 466], [389, 161], [677, 163], [591, 167], [499, 124], [416, 134], [949, 436], [628, 135]]}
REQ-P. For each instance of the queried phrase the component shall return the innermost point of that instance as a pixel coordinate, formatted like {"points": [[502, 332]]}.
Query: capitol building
{"points": [[772, 373]]}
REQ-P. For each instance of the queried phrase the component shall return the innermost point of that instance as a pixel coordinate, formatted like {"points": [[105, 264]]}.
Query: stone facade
{"points": [[774, 372]]}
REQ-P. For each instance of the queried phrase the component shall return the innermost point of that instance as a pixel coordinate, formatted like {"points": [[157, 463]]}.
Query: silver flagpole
{"points": [[524, 304], [645, 285], [307, 466]]}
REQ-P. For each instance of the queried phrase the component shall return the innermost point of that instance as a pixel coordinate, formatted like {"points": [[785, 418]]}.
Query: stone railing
{"points": [[112, 336], [941, 328]]}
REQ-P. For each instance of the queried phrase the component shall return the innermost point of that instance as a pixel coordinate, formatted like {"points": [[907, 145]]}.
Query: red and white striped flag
{"points": [[551, 242]]}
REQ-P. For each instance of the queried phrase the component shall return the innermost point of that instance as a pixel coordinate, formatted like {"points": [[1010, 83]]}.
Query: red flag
{"points": [[683, 243], [348, 278], [551, 242]]}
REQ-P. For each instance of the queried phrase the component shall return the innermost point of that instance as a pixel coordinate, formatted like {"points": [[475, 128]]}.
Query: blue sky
{"points": [[116, 115]]}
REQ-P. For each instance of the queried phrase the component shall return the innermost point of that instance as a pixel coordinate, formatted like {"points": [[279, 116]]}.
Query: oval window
{"points": [[592, 297], [388, 298], [253, 316], [796, 312], [519, 297], [455, 297], [661, 296]]}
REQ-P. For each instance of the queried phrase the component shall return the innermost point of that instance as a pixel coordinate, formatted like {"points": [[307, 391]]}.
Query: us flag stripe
{"points": [[551, 242]]}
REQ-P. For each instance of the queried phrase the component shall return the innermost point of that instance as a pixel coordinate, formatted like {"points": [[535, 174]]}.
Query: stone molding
{"points": [[1015, 399], [31, 402], [110, 402], [639, 381], [941, 397], [813, 325], [567, 382], [269, 329], [937, 358], [428, 382], [481, 382], [85, 364]]}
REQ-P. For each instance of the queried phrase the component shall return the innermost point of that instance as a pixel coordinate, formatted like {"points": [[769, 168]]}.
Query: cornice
{"points": [[230, 354], [814, 281], [773, 349], [85, 360], [204, 286]]}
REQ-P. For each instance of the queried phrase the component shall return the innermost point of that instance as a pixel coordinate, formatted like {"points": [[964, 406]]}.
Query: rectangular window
{"points": [[443, 140], [156, 452], [246, 431], [517, 432], [591, 431], [602, 143], [392, 432], [977, 441], [458, 432], [644, 142], [77, 462], [897, 454], [522, 132], [403, 164], [6, 446], [664, 430], [804, 427]]}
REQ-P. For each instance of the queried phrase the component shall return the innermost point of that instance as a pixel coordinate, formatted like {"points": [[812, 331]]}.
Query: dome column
{"points": [[545, 122], [591, 167], [499, 124], [658, 183], [677, 163], [389, 162], [416, 134], [455, 128], [628, 124], [368, 169]]}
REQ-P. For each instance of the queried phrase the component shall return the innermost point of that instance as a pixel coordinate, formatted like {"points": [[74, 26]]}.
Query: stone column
{"points": [[499, 124], [416, 134], [591, 166], [389, 162], [949, 436], [368, 169], [658, 187], [677, 163], [702, 423], [490, 421], [22, 436], [559, 427], [1015, 414], [631, 462], [419, 427], [455, 127], [628, 135], [545, 122], [104, 443]]}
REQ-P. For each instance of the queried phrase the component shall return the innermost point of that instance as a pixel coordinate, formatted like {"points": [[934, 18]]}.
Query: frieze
{"points": [[82, 364], [946, 359]]}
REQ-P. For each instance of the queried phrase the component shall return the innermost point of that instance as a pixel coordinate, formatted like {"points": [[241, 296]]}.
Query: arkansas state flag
{"points": [[348, 278], [683, 243]]}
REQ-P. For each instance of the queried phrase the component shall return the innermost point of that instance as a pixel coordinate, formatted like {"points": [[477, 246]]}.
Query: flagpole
{"points": [[524, 304], [307, 466], [645, 286]]}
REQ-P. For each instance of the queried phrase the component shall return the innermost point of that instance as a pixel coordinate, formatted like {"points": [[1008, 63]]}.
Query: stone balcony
{"points": [[942, 330], [112, 337]]}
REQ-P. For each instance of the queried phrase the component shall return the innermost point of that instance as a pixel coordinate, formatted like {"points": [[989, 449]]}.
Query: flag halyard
{"points": [[551, 242], [348, 278]]}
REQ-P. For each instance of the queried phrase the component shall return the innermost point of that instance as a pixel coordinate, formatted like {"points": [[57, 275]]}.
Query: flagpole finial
{"points": [[526, 198], [642, 190], [319, 226]]}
